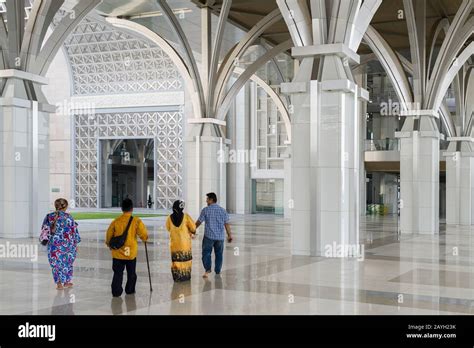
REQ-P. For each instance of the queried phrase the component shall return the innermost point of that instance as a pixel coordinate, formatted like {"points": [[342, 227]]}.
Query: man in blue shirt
{"points": [[216, 221]]}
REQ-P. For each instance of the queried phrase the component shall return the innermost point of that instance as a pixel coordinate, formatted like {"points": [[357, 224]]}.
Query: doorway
{"points": [[267, 196], [127, 170]]}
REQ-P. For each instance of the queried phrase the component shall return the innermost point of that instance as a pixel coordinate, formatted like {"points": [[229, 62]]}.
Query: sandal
{"points": [[59, 286], [68, 285]]}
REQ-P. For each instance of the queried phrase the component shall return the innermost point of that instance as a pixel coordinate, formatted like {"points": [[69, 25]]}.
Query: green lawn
{"points": [[105, 215]]}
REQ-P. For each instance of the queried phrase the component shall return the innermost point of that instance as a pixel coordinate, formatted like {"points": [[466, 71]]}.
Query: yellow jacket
{"points": [[180, 238], [117, 227]]}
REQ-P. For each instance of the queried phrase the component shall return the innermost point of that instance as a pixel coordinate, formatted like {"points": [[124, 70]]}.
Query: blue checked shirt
{"points": [[214, 216]]}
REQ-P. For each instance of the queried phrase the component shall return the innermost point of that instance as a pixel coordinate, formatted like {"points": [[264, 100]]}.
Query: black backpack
{"points": [[119, 241]]}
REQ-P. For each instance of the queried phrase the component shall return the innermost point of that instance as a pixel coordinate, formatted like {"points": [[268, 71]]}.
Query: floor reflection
{"points": [[432, 273]]}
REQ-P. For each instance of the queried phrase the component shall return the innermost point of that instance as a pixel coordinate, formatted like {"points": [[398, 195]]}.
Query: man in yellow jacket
{"points": [[126, 256]]}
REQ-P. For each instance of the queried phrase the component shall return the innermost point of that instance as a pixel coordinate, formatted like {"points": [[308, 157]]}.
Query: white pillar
{"points": [[302, 233], [24, 161], [287, 194], [459, 184], [206, 171], [419, 175], [141, 173], [361, 80], [206, 37], [325, 160], [335, 165], [239, 189], [108, 184], [106, 187]]}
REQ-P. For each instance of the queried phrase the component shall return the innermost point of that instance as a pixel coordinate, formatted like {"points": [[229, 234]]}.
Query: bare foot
{"points": [[68, 285], [59, 286], [206, 275]]}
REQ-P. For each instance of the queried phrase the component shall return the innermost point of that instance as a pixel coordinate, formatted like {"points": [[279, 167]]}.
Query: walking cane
{"points": [[148, 265]]}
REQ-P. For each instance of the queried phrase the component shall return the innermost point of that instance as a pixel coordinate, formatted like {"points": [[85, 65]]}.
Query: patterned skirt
{"points": [[181, 263]]}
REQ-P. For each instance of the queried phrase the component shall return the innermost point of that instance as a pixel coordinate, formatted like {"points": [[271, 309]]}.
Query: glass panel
{"points": [[268, 196]]}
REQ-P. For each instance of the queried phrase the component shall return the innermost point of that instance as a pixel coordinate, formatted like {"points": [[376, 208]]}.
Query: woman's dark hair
{"points": [[177, 215], [213, 196], [127, 205], [60, 204]]}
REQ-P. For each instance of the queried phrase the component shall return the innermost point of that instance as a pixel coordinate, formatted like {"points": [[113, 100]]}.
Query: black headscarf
{"points": [[177, 215]]}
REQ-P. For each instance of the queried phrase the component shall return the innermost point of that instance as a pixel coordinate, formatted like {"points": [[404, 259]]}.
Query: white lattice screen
{"points": [[166, 128], [106, 61]]}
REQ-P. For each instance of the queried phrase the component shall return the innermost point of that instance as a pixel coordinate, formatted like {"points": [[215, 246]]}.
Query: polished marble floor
{"points": [[399, 274]]}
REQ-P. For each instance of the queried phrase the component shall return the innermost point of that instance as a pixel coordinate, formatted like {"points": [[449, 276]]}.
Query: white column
{"points": [[24, 162], [361, 80], [325, 161], [335, 165], [459, 183], [206, 171], [206, 37], [240, 157], [419, 175], [106, 175], [302, 233], [108, 184], [466, 215], [287, 194], [141, 172]]}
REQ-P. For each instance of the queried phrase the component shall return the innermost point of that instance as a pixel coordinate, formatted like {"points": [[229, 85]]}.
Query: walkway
{"points": [[413, 275]]}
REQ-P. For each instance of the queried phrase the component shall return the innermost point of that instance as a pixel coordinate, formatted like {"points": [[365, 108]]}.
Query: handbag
{"points": [[119, 241], [47, 232]]}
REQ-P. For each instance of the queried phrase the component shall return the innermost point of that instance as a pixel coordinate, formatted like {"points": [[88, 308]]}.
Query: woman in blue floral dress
{"points": [[62, 244]]}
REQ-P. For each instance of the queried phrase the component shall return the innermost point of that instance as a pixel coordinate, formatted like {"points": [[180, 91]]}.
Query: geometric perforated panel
{"points": [[165, 127], [106, 60]]}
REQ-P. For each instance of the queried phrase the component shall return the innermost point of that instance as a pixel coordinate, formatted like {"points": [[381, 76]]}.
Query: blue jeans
{"points": [[207, 245]]}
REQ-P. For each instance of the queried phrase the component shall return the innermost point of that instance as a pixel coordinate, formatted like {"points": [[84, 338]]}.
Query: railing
{"points": [[393, 145], [382, 145]]}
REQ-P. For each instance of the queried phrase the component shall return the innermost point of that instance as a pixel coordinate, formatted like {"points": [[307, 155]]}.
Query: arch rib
{"points": [[170, 51], [224, 107], [187, 50], [228, 63]]}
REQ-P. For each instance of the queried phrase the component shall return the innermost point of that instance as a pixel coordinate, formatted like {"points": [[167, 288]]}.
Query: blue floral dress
{"points": [[62, 246]]}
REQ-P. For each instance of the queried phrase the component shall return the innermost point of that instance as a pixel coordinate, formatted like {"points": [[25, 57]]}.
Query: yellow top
{"points": [[130, 248], [180, 238]]}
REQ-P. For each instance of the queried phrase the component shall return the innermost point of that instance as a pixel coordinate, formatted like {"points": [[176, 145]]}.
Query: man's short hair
{"points": [[127, 205], [213, 196]]}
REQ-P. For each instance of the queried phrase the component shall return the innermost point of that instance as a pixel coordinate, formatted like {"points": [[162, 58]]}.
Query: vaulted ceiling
{"points": [[244, 14]]}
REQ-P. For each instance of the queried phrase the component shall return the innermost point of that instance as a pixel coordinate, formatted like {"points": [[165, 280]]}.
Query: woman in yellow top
{"points": [[181, 228]]}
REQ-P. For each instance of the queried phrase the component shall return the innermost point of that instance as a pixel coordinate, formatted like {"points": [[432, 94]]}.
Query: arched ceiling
{"points": [[150, 14], [246, 13]]}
